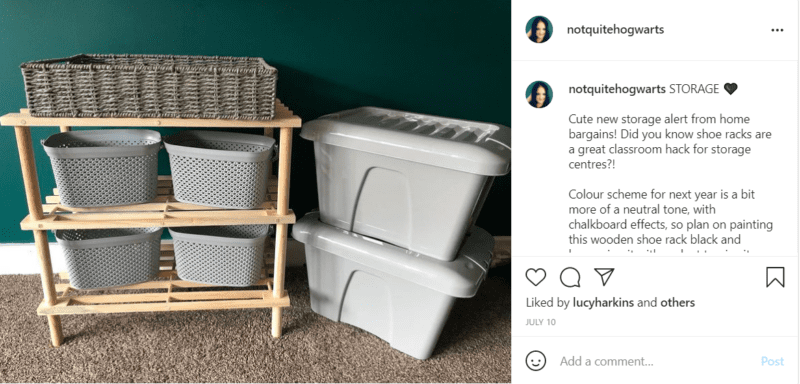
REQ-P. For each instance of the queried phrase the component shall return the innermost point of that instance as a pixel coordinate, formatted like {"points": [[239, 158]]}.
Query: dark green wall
{"points": [[448, 58]]}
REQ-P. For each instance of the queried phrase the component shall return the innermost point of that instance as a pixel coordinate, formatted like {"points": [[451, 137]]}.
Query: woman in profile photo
{"points": [[539, 29], [539, 94]]}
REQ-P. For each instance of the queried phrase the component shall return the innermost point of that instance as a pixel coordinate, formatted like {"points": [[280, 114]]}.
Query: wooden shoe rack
{"points": [[167, 293]]}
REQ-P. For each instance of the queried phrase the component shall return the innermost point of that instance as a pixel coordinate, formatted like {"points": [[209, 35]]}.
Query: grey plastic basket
{"points": [[105, 167], [102, 258], [219, 169], [220, 255]]}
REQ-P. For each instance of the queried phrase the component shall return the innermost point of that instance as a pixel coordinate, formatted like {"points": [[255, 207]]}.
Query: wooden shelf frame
{"points": [[164, 212]]}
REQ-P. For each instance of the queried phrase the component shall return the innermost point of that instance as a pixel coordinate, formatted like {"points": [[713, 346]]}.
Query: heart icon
{"points": [[535, 276], [731, 88]]}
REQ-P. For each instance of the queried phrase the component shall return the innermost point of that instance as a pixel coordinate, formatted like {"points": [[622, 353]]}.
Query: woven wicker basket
{"points": [[211, 87]]}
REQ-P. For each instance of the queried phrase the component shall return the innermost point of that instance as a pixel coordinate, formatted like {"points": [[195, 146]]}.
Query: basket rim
{"points": [[178, 235], [154, 233], [178, 139], [264, 68], [108, 151], [175, 146]]}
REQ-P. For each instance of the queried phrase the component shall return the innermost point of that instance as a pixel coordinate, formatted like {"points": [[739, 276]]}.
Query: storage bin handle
{"points": [[275, 156]]}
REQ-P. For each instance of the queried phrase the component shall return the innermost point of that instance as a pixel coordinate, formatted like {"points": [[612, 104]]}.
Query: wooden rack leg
{"points": [[34, 198], [277, 287], [284, 166], [65, 128], [48, 287]]}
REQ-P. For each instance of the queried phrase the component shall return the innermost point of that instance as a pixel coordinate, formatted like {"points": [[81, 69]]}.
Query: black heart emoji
{"points": [[731, 88]]}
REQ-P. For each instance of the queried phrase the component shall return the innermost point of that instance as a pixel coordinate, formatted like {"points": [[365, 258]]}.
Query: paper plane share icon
{"points": [[605, 274]]}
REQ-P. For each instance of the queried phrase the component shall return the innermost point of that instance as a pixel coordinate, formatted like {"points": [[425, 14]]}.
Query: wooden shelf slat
{"points": [[164, 212], [53, 205], [165, 186], [284, 118], [66, 305], [155, 219], [162, 296], [158, 284]]}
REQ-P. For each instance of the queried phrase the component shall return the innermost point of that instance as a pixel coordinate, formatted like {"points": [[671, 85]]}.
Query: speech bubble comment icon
{"points": [[570, 277]]}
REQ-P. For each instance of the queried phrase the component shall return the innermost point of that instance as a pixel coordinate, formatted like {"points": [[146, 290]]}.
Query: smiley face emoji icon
{"points": [[535, 361]]}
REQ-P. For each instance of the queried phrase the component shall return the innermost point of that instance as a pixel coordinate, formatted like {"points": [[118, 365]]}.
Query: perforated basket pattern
{"points": [[96, 182], [104, 143], [238, 266], [219, 183], [111, 266], [224, 145]]}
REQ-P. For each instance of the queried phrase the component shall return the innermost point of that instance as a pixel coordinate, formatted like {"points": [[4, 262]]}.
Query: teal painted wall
{"points": [[448, 58]]}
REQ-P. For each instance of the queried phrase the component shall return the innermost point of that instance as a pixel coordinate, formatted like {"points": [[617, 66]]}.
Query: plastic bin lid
{"points": [[466, 146], [458, 278]]}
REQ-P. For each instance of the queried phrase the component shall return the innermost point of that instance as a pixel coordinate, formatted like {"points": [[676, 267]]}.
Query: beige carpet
{"points": [[236, 346]]}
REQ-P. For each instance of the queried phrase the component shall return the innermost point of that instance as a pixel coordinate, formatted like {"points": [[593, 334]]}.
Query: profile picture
{"points": [[539, 29], [539, 94]]}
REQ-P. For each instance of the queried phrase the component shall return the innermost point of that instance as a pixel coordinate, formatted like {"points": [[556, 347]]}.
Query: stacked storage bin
{"points": [[225, 170], [107, 168], [119, 167], [394, 241]]}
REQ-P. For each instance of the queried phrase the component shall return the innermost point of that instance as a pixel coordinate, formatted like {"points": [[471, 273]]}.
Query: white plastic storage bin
{"points": [[415, 181], [401, 297]]}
